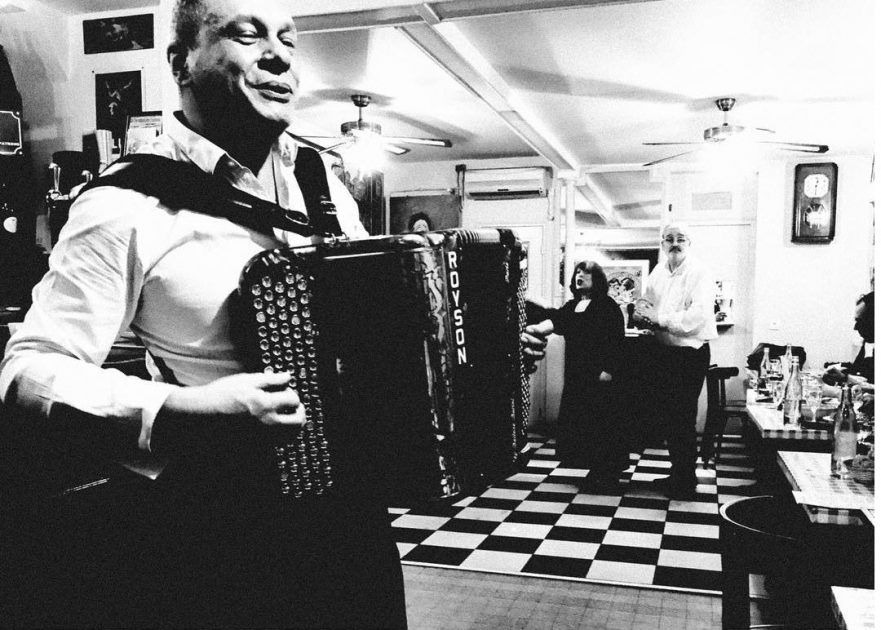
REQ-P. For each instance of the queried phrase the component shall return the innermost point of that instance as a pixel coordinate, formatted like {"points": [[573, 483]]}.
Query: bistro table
{"points": [[854, 608], [767, 421], [825, 498]]}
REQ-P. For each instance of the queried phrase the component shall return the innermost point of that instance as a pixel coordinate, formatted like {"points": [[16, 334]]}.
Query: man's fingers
{"points": [[286, 417], [271, 380]]}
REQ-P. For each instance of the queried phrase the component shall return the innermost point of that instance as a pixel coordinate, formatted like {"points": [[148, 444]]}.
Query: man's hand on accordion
{"points": [[264, 397]]}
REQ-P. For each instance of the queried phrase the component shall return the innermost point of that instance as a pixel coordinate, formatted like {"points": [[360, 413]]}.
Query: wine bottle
{"points": [[844, 444], [793, 398], [786, 361], [764, 368]]}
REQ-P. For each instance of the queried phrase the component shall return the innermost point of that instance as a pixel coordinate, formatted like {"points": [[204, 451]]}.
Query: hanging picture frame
{"points": [[117, 96], [115, 34]]}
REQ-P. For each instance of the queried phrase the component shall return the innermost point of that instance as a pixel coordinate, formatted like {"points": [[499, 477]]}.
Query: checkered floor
{"points": [[538, 522]]}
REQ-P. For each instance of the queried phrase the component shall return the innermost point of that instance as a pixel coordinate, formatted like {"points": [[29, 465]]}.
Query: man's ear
{"points": [[178, 56]]}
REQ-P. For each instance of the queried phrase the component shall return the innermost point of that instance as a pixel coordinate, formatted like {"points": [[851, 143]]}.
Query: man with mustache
{"points": [[219, 550], [679, 307]]}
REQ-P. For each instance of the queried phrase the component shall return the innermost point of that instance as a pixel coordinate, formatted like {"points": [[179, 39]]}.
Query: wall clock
{"points": [[813, 211]]}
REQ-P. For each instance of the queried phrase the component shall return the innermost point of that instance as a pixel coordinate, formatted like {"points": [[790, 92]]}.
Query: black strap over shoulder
{"points": [[181, 185]]}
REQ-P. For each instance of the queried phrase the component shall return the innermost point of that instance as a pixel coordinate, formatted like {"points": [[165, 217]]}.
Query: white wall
{"points": [[810, 289]]}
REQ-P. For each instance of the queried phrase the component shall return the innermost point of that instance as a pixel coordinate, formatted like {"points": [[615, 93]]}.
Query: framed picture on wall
{"points": [[141, 129], [114, 34], [626, 282], [424, 213], [117, 97], [814, 198]]}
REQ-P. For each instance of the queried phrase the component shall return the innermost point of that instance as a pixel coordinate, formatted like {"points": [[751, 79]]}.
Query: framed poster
{"points": [[626, 282], [117, 96], [114, 34], [141, 129], [814, 197]]}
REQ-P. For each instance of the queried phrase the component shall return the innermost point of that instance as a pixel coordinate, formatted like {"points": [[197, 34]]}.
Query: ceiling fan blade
{"points": [[667, 144], [672, 157], [432, 142], [798, 146], [393, 148], [314, 145], [338, 145]]}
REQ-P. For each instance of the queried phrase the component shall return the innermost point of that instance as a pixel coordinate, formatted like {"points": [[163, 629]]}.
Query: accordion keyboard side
{"points": [[361, 326]]}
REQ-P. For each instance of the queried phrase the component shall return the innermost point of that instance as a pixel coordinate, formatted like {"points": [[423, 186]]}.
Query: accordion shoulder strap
{"points": [[181, 185]]}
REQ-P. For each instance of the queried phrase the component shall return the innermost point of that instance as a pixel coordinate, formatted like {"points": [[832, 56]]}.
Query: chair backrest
{"points": [[764, 535], [716, 376]]}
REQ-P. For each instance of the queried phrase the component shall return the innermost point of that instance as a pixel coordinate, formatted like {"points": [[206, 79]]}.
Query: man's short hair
{"points": [[869, 300], [683, 228], [187, 20]]}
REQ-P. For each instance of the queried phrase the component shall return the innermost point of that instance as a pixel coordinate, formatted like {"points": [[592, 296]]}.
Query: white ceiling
{"points": [[588, 84]]}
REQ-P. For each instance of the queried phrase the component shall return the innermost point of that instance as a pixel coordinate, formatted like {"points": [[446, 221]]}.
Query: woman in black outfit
{"points": [[589, 425]]}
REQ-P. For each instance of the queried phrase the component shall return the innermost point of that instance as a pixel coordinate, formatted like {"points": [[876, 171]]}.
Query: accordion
{"points": [[406, 354]]}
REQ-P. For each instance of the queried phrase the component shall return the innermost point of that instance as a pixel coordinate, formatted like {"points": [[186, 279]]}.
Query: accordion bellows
{"points": [[406, 353]]}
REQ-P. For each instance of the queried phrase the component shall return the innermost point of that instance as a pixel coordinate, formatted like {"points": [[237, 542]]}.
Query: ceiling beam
{"points": [[448, 10], [449, 48], [602, 205]]}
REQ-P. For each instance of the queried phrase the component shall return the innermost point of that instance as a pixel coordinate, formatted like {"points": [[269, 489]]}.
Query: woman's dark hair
{"points": [[599, 284], [416, 217]]}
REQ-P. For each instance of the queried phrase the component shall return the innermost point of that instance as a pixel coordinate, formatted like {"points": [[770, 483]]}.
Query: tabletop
{"points": [[769, 422], [854, 608], [826, 499]]}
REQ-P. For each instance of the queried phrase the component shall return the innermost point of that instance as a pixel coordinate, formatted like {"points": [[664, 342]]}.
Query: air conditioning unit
{"points": [[507, 183]]}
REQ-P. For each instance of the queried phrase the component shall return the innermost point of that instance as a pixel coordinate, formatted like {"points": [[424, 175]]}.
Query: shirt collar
{"points": [[207, 155], [680, 269]]}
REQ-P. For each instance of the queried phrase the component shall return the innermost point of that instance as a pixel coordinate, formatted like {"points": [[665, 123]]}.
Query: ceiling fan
{"points": [[726, 132], [360, 130]]}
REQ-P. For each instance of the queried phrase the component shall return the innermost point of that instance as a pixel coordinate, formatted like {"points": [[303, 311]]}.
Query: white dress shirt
{"points": [[124, 260], [685, 299]]}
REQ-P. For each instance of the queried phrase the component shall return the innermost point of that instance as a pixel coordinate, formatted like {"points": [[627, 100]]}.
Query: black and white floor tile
{"points": [[539, 522]]}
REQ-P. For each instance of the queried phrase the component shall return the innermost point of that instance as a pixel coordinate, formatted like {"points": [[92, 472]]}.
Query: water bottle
{"points": [[792, 398], [845, 433]]}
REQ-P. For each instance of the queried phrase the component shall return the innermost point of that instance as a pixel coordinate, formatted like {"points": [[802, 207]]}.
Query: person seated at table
{"points": [[861, 371], [589, 430]]}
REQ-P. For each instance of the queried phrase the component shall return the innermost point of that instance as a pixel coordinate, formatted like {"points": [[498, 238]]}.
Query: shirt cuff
{"points": [[150, 410]]}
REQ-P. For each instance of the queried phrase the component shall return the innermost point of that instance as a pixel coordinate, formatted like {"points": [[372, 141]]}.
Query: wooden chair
{"points": [[719, 411], [767, 535]]}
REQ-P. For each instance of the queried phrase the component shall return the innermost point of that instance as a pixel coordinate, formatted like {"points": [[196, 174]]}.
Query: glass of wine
{"points": [[778, 390]]}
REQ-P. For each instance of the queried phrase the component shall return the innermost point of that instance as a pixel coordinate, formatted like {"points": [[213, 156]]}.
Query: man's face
{"points": [[675, 244], [243, 69], [863, 323]]}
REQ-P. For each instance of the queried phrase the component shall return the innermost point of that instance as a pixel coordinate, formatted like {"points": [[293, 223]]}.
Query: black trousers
{"points": [[681, 378], [231, 554]]}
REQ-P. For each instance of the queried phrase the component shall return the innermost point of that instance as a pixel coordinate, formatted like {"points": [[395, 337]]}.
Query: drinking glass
{"points": [[813, 398], [778, 390]]}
